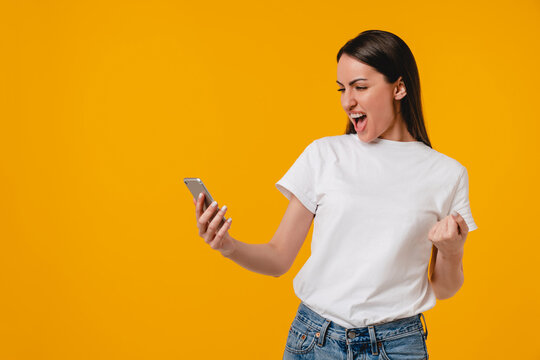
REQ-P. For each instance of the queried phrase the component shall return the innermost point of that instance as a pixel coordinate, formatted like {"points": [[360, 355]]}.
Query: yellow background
{"points": [[106, 105]]}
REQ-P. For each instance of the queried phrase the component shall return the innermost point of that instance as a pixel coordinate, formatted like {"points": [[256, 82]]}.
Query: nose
{"points": [[348, 100]]}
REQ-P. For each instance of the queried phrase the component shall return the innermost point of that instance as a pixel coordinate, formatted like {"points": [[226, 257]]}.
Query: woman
{"points": [[382, 201]]}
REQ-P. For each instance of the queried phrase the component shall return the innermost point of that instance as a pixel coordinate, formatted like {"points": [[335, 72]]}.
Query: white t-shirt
{"points": [[374, 204]]}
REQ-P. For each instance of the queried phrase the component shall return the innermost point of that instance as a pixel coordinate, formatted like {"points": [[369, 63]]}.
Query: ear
{"points": [[400, 91]]}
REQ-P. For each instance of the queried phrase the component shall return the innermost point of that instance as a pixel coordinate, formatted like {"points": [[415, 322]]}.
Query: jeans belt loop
{"points": [[322, 333], [373, 340]]}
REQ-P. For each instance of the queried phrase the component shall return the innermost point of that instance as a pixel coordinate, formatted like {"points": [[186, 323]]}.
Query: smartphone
{"points": [[196, 186]]}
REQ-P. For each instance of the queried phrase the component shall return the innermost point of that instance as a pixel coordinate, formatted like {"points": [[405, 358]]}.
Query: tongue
{"points": [[360, 122]]}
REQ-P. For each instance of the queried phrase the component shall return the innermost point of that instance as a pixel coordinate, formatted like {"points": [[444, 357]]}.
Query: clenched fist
{"points": [[449, 235]]}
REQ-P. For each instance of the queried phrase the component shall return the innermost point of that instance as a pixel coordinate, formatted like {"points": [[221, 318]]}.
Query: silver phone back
{"points": [[196, 186]]}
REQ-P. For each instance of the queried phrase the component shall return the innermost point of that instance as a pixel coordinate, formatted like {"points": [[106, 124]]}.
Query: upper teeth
{"points": [[354, 116]]}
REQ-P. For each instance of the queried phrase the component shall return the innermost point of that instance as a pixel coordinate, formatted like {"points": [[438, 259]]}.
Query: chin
{"points": [[365, 138]]}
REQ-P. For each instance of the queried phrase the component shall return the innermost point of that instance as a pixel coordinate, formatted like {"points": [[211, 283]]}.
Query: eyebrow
{"points": [[352, 82]]}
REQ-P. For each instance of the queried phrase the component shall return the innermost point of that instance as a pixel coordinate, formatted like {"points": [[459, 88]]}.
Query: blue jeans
{"points": [[312, 336]]}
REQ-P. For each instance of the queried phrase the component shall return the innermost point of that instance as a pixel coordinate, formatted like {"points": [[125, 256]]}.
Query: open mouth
{"points": [[360, 122], [360, 119]]}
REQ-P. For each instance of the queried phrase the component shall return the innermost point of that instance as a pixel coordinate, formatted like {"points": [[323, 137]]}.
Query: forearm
{"points": [[260, 258], [447, 276]]}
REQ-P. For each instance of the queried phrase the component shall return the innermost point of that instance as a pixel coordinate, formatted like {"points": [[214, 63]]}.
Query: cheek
{"points": [[379, 104], [374, 105]]}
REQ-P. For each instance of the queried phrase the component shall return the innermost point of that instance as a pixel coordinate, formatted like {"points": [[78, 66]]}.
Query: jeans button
{"points": [[351, 334]]}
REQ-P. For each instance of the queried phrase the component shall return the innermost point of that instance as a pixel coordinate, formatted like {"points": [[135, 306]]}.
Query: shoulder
{"points": [[333, 139], [331, 142], [329, 148], [448, 164]]}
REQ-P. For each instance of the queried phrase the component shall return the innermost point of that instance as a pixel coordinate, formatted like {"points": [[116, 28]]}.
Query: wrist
{"points": [[230, 248], [456, 256]]}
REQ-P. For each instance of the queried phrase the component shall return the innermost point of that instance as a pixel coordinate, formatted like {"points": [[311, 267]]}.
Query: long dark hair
{"points": [[389, 55]]}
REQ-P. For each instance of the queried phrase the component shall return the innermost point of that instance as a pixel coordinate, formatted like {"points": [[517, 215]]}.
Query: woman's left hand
{"points": [[449, 235]]}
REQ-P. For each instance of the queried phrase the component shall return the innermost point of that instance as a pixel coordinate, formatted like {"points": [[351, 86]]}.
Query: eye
{"points": [[356, 87]]}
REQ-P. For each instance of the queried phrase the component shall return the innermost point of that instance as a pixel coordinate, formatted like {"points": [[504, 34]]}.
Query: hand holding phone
{"points": [[210, 219]]}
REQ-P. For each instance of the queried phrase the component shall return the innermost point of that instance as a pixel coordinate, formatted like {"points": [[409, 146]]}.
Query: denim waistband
{"points": [[383, 331]]}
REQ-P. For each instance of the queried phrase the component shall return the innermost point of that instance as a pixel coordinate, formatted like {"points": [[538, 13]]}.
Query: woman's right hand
{"points": [[208, 223]]}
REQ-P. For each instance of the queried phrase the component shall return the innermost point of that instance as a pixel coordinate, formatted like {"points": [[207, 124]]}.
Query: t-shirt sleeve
{"points": [[460, 202], [300, 178]]}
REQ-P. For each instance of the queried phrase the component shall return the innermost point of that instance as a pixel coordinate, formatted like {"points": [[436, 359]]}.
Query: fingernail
{"points": [[200, 195], [214, 203], [455, 213], [229, 221], [224, 208]]}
